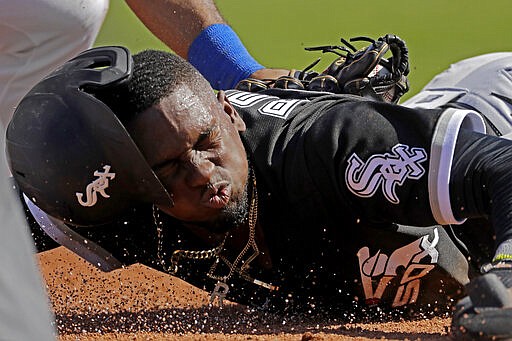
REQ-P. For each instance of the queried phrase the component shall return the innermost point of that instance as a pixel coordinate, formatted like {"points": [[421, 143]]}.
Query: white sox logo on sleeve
{"points": [[384, 170], [97, 186]]}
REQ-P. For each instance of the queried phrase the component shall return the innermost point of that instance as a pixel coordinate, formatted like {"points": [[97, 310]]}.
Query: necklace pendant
{"points": [[220, 292]]}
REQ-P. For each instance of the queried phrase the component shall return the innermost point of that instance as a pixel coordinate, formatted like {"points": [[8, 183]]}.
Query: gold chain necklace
{"points": [[179, 254], [221, 288]]}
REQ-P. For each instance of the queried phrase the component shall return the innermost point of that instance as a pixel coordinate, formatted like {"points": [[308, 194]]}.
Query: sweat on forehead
{"points": [[184, 101]]}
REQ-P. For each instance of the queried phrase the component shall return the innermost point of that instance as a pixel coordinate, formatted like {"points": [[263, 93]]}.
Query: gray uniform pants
{"points": [[483, 83]]}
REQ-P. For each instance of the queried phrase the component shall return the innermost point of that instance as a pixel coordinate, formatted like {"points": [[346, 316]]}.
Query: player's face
{"points": [[194, 147]]}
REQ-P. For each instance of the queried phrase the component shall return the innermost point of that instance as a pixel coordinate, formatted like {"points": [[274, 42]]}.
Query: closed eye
{"points": [[208, 140]]}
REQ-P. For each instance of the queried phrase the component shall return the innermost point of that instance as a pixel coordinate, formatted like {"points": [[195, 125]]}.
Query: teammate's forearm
{"points": [[196, 31], [176, 22]]}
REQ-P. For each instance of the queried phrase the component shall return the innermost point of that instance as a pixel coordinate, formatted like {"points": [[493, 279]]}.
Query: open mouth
{"points": [[217, 195]]}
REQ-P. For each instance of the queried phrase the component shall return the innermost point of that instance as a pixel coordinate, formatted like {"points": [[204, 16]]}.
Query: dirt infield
{"points": [[138, 303]]}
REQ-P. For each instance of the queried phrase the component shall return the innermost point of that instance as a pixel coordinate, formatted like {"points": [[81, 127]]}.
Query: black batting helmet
{"points": [[68, 151]]}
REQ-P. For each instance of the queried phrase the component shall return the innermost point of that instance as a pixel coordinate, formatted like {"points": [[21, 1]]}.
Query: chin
{"points": [[230, 216]]}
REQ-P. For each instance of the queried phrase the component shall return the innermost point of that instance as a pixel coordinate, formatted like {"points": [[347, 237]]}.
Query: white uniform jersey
{"points": [[36, 36]]}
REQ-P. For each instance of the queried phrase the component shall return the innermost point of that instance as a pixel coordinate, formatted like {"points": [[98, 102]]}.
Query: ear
{"points": [[230, 110]]}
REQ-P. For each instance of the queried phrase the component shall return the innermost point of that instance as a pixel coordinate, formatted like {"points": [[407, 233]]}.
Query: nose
{"points": [[200, 170]]}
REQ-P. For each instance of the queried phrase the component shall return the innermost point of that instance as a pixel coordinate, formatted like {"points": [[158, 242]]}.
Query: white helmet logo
{"points": [[97, 186]]}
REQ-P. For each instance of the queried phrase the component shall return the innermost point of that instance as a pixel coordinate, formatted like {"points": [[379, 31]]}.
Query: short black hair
{"points": [[155, 75]]}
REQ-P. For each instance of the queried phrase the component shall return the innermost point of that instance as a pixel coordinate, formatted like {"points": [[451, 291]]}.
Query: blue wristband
{"points": [[220, 56]]}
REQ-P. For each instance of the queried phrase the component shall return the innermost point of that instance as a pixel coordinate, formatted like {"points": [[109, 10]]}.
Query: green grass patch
{"points": [[438, 32]]}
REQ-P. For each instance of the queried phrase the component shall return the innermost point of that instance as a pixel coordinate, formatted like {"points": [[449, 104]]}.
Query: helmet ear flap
{"points": [[69, 152]]}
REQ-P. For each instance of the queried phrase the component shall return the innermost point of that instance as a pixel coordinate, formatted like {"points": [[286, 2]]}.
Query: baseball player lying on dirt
{"points": [[280, 199]]}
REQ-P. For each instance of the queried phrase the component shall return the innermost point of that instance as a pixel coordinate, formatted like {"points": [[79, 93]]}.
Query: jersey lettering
{"points": [[97, 186], [245, 99], [384, 170], [279, 108], [272, 106], [416, 260]]}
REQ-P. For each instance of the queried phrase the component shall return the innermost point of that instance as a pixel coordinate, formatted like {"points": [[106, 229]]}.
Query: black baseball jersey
{"points": [[358, 160], [368, 160], [336, 174], [341, 182]]}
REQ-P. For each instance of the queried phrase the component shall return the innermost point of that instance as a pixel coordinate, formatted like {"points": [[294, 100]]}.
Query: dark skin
{"points": [[205, 158], [204, 165]]}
